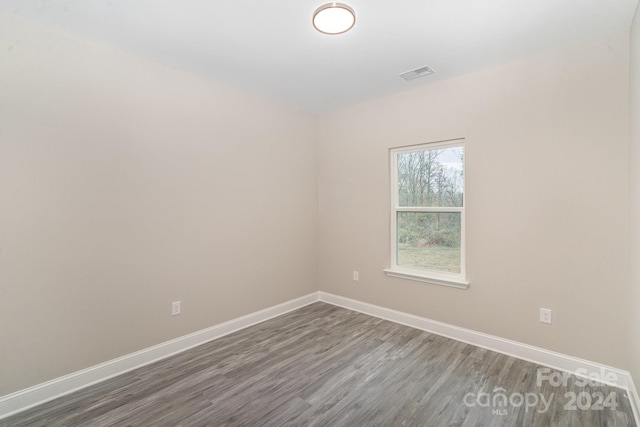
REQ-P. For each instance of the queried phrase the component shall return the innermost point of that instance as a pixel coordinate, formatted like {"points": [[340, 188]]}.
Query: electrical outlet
{"points": [[356, 275], [175, 308], [545, 315]]}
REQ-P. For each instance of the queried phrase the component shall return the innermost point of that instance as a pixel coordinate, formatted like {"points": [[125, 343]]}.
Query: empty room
{"points": [[285, 213]]}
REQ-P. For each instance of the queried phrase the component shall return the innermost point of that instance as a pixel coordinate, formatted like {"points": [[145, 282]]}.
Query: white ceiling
{"points": [[269, 47]]}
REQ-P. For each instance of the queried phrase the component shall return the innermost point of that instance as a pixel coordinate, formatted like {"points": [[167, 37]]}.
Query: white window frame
{"points": [[456, 280]]}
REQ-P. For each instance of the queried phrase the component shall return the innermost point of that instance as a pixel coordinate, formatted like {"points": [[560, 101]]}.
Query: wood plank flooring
{"points": [[323, 365]]}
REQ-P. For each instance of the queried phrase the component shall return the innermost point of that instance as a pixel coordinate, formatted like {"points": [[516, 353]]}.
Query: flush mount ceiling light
{"points": [[334, 18]]}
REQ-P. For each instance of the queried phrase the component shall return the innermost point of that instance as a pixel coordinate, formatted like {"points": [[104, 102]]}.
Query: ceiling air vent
{"points": [[418, 72]]}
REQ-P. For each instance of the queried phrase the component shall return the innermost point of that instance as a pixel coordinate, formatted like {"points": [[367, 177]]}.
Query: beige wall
{"points": [[634, 170], [547, 198], [125, 185]]}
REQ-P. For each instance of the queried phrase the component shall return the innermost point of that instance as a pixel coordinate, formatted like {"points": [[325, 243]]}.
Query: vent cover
{"points": [[418, 72]]}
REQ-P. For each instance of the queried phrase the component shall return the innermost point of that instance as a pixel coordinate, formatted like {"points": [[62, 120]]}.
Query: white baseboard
{"points": [[519, 350], [537, 355], [41, 393]]}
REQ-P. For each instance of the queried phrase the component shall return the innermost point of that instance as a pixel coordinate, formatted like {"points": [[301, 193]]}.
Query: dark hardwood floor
{"points": [[323, 365]]}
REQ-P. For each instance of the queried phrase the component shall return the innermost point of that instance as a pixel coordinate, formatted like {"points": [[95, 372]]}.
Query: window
{"points": [[427, 213]]}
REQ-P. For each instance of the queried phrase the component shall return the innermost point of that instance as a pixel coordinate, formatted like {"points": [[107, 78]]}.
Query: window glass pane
{"points": [[429, 241], [431, 177]]}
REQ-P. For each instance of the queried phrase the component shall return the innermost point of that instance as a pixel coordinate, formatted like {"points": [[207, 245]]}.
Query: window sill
{"points": [[452, 282]]}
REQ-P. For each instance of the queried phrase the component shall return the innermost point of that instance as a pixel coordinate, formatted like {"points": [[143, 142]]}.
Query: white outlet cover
{"points": [[545, 315], [175, 308]]}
